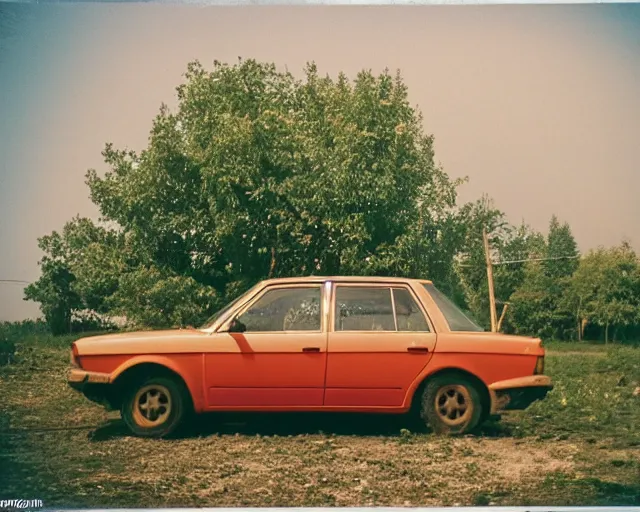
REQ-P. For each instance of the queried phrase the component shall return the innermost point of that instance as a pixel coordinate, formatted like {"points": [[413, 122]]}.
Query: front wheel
{"points": [[155, 407], [451, 405]]}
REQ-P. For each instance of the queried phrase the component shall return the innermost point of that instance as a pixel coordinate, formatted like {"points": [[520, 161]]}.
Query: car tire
{"points": [[155, 406], [451, 405]]}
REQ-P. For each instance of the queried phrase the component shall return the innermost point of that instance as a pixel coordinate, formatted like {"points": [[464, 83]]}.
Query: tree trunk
{"points": [[606, 334], [579, 329], [583, 324], [579, 318]]}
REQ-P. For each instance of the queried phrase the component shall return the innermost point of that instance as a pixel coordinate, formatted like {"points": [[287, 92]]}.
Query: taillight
{"points": [[539, 366], [74, 356]]}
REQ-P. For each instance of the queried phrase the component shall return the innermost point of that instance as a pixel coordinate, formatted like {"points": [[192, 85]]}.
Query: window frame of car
{"points": [[388, 285], [267, 289]]}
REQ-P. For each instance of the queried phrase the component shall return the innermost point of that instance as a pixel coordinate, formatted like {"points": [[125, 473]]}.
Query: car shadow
{"points": [[296, 424]]}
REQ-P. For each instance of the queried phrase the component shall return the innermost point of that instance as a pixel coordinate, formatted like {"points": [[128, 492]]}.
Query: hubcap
{"points": [[151, 406], [453, 404]]}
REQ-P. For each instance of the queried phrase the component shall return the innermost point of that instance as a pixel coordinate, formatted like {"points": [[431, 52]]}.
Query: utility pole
{"points": [[492, 296]]}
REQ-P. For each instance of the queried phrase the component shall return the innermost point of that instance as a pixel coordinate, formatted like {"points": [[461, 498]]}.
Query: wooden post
{"points": [[492, 296], [504, 310]]}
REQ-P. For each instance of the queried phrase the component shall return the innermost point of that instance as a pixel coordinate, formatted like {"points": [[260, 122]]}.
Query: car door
{"points": [[280, 360], [379, 340]]}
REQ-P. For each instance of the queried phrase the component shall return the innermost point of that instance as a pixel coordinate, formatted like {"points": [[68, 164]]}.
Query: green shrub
{"points": [[7, 351]]}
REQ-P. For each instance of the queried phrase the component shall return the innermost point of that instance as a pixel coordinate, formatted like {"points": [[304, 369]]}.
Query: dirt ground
{"points": [[58, 447]]}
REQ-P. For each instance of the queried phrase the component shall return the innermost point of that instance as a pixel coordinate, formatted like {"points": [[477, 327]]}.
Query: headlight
{"points": [[539, 366]]}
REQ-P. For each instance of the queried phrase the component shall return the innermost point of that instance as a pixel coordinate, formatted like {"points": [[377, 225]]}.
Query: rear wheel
{"points": [[451, 405], [155, 406]]}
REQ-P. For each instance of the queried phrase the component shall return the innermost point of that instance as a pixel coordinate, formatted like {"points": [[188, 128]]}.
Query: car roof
{"points": [[357, 279]]}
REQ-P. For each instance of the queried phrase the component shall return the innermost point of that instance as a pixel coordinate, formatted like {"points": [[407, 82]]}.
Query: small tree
{"points": [[562, 250], [605, 289], [533, 308], [538, 303], [54, 291]]}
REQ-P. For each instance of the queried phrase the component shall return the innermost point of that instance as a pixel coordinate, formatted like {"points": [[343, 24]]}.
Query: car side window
{"points": [[363, 308], [285, 309], [408, 314]]}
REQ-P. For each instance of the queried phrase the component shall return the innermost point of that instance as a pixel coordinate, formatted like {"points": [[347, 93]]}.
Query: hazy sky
{"points": [[538, 105]]}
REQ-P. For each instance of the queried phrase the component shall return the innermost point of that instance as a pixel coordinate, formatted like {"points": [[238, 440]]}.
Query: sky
{"points": [[538, 105]]}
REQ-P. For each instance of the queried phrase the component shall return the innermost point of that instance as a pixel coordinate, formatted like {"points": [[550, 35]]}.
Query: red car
{"points": [[330, 344]]}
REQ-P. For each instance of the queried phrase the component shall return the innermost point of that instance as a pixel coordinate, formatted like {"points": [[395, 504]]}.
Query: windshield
{"points": [[456, 319], [219, 314]]}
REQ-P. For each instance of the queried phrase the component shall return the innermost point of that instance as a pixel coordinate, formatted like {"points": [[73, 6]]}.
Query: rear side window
{"points": [[362, 308], [454, 316], [365, 308]]}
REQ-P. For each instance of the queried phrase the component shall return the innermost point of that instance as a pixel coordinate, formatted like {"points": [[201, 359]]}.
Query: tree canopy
{"points": [[259, 174]]}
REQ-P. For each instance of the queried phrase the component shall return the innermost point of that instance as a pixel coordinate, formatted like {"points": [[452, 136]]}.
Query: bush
{"points": [[7, 351], [17, 331]]}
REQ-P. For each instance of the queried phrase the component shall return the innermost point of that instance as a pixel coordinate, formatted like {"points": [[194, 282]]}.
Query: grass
{"points": [[577, 346], [593, 397], [581, 446]]}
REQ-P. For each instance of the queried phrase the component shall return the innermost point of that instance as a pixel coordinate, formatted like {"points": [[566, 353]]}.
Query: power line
{"points": [[467, 265], [18, 281], [536, 259]]}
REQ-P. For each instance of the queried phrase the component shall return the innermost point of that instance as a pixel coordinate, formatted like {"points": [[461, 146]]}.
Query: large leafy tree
{"points": [[256, 175]]}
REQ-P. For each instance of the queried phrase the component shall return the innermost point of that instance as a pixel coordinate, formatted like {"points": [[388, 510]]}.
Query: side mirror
{"points": [[237, 326]]}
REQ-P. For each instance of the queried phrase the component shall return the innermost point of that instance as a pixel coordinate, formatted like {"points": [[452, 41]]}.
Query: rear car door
{"points": [[379, 340]]}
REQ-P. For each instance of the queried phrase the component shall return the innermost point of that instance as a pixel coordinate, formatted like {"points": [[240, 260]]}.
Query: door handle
{"points": [[418, 349], [311, 349]]}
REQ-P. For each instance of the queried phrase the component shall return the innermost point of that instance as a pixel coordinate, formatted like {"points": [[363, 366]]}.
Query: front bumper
{"points": [[518, 394], [93, 385]]}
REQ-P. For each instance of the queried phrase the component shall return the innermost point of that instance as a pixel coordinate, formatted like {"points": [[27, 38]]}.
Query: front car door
{"points": [[379, 340], [280, 360]]}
